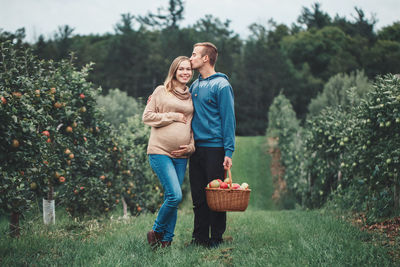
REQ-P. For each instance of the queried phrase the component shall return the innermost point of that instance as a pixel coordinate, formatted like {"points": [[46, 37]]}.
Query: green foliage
{"points": [[142, 190], [285, 128], [391, 32], [296, 59], [52, 136], [350, 154], [341, 90], [328, 145], [117, 106], [383, 58], [325, 50]]}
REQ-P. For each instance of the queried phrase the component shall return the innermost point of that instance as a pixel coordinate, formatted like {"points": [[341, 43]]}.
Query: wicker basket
{"points": [[227, 199]]}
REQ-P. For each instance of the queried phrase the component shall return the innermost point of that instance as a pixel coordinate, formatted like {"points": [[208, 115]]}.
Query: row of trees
{"points": [[348, 151], [56, 144], [296, 60]]}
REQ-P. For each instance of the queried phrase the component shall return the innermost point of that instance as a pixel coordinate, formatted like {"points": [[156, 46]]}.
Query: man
{"points": [[213, 127]]}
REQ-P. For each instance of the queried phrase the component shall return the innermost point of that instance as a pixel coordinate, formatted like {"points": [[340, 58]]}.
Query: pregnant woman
{"points": [[169, 112]]}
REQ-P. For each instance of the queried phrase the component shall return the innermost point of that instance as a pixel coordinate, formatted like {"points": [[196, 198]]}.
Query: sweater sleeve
{"points": [[158, 119], [227, 112]]}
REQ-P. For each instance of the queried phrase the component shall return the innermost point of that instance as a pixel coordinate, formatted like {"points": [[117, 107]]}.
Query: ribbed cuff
{"points": [[228, 153]]}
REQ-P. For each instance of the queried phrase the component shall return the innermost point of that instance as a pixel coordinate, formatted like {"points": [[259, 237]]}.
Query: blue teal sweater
{"points": [[213, 121]]}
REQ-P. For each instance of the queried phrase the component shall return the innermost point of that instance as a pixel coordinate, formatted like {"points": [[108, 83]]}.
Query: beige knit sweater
{"points": [[163, 114]]}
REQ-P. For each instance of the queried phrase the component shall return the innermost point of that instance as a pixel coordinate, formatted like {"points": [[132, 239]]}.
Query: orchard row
{"points": [[349, 155], [55, 144]]}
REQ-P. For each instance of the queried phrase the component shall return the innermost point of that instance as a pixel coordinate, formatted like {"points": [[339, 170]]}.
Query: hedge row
{"points": [[347, 155]]}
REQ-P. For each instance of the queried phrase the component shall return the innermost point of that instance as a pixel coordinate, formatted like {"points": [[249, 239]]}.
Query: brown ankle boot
{"points": [[165, 244], [154, 238]]}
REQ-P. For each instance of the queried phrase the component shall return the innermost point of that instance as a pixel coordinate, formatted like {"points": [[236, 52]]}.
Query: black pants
{"points": [[205, 165]]}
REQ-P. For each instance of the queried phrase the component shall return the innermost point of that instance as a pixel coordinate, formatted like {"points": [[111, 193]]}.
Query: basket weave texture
{"points": [[227, 199]]}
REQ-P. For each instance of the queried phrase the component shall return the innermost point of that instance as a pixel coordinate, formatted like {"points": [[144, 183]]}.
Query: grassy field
{"points": [[262, 236]]}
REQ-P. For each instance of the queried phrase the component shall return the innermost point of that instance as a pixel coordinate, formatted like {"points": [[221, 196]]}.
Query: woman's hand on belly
{"points": [[181, 118], [184, 150]]}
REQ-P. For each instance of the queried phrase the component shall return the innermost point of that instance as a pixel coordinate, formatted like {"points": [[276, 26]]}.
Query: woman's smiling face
{"points": [[184, 72]]}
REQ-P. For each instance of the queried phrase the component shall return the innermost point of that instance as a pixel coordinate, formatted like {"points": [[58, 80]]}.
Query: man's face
{"points": [[196, 59]]}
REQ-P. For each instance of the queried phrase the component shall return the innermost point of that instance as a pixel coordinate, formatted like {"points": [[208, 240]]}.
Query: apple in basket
{"points": [[244, 186], [223, 185], [235, 186], [213, 184], [226, 180]]}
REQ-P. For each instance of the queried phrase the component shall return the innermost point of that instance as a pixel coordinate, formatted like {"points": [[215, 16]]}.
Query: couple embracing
{"points": [[196, 124]]}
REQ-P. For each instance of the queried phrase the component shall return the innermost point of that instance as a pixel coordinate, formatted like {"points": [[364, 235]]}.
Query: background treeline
{"points": [[296, 60]]}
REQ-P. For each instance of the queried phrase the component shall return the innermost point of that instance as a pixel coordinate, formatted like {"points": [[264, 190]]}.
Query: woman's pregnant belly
{"points": [[172, 136]]}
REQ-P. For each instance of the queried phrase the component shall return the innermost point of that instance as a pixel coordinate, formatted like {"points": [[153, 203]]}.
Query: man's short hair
{"points": [[210, 50]]}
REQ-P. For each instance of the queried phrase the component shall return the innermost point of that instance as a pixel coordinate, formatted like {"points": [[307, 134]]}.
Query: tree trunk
{"points": [[50, 194], [125, 208], [49, 216], [396, 192], [14, 225]]}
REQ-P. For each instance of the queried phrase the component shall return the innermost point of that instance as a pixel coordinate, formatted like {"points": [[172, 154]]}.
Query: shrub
{"points": [[118, 106], [142, 191]]}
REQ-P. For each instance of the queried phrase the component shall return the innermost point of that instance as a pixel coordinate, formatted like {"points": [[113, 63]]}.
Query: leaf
{"points": [[15, 118]]}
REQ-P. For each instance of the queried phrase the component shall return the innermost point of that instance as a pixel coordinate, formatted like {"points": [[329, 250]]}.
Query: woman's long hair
{"points": [[171, 77]]}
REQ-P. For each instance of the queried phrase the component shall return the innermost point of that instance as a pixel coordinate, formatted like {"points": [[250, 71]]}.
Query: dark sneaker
{"points": [[215, 243], [197, 242], [154, 238]]}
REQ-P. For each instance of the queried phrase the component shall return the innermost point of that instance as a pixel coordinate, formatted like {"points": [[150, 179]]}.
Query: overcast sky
{"points": [[100, 16]]}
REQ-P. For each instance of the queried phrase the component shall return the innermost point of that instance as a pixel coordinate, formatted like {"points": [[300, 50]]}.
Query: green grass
{"points": [[261, 235], [250, 164]]}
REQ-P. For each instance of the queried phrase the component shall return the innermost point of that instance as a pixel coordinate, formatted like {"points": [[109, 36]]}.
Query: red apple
{"points": [[15, 143], [17, 94], [82, 96], [235, 186], [223, 185], [46, 133], [57, 105]]}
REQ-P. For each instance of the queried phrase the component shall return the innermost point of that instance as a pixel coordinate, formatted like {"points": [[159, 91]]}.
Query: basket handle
{"points": [[229, 176]]}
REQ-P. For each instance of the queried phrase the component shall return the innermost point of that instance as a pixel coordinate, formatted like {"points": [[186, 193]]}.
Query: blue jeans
{"points": [[170, 172]]}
